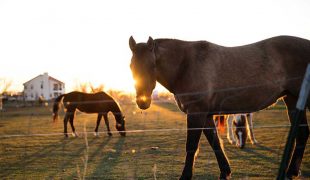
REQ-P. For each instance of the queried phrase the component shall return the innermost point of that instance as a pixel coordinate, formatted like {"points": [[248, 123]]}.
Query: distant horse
{"points": [[243, 129], [251, 78], [100, 103]]}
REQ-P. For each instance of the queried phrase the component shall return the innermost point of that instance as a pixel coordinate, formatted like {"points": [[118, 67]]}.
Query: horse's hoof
{"points": [[292, 175], [110, 134], [96, 134], [254, 142], [224, 176], [185, 177], [74, 134], [231, 142]]}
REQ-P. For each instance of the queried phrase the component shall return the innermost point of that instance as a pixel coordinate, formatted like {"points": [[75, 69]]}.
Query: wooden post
{"points": [[300, 107]]}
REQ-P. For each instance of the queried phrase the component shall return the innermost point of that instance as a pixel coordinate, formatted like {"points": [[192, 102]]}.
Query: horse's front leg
{"points": [[230, 134], [194, 129], [213, 139], [250, 128], [71, 118], [106, 120], [98, 123]]}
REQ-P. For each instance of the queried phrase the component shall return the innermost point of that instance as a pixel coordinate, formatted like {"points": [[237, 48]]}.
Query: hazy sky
{"points": [[87, 41]]}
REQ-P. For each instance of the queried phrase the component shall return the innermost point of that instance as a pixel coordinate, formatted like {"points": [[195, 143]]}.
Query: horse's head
{"points": [[120, 124], [241, 131], [143, 69]]}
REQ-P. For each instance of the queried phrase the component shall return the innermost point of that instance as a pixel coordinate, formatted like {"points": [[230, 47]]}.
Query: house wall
{"points": [[42, 86]]}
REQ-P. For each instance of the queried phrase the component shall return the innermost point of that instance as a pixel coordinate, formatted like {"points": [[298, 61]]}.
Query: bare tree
{"points": [[4, 86], [96, 89], [81, 86], [88, 87]]}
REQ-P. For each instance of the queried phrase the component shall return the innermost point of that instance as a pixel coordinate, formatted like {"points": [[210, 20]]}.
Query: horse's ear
{"points": [[132, 43], [151, 43]]}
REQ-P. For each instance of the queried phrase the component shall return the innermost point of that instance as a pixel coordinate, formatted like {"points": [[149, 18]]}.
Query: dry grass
{"points": [[140, 155]]}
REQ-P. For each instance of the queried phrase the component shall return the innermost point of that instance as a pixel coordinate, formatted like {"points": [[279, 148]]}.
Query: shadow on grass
{"points": [[66, 161], [29, 158], [256, 153], [257, 156], [108, 161], [205, 177]]}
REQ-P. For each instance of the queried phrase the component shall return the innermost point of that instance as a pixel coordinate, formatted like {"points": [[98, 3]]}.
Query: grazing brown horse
{"points": [[251, 78], [100, 103]]}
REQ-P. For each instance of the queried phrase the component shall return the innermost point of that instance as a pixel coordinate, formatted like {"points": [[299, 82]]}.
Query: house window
{"points": [[41, 85], [31, 95], [60, 87], [31, 86], [51, 95], [55, 87], [25, 87]]}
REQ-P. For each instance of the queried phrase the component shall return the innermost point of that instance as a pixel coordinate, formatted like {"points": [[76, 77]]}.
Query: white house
{"points": [[43, 86]]}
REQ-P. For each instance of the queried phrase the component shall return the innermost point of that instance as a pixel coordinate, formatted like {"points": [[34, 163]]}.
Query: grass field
{"points": [[32, 147]]}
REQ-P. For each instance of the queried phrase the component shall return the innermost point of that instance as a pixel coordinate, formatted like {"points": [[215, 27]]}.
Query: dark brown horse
{"points": [[100, 103], [251, 78]]}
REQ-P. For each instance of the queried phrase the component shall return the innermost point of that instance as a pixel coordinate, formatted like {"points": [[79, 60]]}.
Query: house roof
{"points": [[49, 77]]}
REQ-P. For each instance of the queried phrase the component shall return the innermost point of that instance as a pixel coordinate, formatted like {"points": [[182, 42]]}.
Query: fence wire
{"points": [[33, 147]]}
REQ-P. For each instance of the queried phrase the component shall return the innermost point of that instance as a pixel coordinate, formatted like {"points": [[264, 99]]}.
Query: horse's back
{"points": [[245, 78], [87, 102]]}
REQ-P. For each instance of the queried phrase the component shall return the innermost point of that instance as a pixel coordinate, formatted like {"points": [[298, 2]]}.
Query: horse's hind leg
{"points": [[106, 120], [301, 139], [213, 139], [66, 118], [98, 123]]}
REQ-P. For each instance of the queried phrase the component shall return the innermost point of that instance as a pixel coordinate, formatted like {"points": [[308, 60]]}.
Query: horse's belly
{"points": [[248, 101], [90, 108]]}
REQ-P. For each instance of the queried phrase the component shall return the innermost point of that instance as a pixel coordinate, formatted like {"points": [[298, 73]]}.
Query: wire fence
{"points": [[33, 147]]}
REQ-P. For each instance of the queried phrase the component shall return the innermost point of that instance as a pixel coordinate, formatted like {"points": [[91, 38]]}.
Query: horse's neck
{"points": [[169, 69], [115, 109]]}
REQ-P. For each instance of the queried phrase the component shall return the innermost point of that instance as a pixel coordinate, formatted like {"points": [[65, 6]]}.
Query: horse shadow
{"points": [[68, 162], [110, 159], [259, 151], [262, 156]]}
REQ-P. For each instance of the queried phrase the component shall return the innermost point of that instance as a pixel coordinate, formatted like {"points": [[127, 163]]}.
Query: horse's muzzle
{"points": [[143, 102]]}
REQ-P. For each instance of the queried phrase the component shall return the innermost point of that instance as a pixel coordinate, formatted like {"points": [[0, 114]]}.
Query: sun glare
{"points": [[143, 98]]}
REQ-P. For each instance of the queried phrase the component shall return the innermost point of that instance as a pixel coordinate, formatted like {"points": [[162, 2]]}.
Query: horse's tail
{"points": [[56, 107]]}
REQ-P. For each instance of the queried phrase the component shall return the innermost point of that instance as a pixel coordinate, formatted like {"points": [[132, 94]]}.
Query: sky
{"points": [[87, 41]]}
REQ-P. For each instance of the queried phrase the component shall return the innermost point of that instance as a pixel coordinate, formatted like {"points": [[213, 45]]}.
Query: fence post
{"points": [[300, 107]]}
